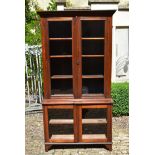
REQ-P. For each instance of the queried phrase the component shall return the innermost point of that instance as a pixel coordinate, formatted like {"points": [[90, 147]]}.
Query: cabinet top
{"points": [[106, 13]]}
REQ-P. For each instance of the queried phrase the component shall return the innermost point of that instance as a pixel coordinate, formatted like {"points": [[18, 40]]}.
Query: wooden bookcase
{"points": [[77, 104]]}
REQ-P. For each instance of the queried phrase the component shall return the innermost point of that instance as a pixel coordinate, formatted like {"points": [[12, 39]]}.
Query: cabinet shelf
{"points": [[60, 38], [92, 56], [62, 77], [84, 121], [60, 56], [98, 38], [92, 76], [94, 136]]}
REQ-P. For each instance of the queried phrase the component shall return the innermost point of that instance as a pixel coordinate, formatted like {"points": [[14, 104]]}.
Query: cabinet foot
{"points": [[47, 147], [109, 146]]}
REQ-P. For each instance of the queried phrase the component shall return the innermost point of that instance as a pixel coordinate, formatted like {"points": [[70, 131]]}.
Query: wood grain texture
{"points": [[108, 57], [45, 58]]}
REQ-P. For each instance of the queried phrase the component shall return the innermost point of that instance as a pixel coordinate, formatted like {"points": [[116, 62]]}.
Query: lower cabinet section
{"points": [[78, 124]]}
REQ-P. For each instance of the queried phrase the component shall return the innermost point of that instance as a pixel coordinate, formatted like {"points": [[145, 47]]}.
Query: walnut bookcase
{"points": [[77, 104]]}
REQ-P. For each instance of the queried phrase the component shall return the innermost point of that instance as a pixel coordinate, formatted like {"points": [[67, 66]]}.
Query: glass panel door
{"points": [[61, 124], [94, 123], [60, 50], [92, 51]]}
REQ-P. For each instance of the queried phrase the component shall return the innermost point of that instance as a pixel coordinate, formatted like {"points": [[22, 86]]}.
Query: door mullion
{"points": [[79, 57], [74, 57]]}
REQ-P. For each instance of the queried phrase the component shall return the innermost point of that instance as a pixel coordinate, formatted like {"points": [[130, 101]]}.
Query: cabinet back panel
{"points": [[92, 86], [61, 66], [59, 29], [61, 86], [92, 28], [92, 66], [60, 47], [93, 47]]}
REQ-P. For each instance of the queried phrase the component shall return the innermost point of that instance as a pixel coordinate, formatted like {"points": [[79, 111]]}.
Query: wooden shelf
{"points": [[94, 121], [60, 56], [98, 38], [94, 136], [61, 121], [60, 38], [84, 121], [92, 56], [62, 77], [92, 76], [62, 138]]}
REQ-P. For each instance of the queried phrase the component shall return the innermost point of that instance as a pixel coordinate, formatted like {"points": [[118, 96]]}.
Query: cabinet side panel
{"points": [[45, 56], [108, 58]]}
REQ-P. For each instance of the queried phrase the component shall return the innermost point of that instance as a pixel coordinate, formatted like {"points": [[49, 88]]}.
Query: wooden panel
{"points": [[45, 58], [94, 106], [74, 57], [60, 106], [77, 123], [59, 19], [109, 125], [79, 58], [45, 120], [93, 18], [108, 57]]}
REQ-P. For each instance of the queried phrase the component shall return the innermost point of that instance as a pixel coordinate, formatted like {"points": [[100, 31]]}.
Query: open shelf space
{"points": [[61, 86], [60, 29], [60, 47], [92, 47], [61, 77], [92, 76], [61, 67], [92, 66], [84, 121], [92, 28]]}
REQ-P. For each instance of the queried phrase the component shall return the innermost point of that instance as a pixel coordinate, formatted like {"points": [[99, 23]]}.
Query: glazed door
{"points": [[61, 54], [92, 39]]}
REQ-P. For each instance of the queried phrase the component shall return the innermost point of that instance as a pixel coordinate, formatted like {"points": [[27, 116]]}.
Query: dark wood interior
{"points": [[77, 104]]}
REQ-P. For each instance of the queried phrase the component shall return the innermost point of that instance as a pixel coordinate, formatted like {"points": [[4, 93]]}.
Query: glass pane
{"points": [[92, 86], [92, 28], [61, 66], [92, 66], [60, 47], [93, 47], [60, 123], [60, 29], [61, 86], [94, 121]]}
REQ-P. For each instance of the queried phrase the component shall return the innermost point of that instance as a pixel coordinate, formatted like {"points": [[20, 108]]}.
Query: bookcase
{"points": [[77, 50]]}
